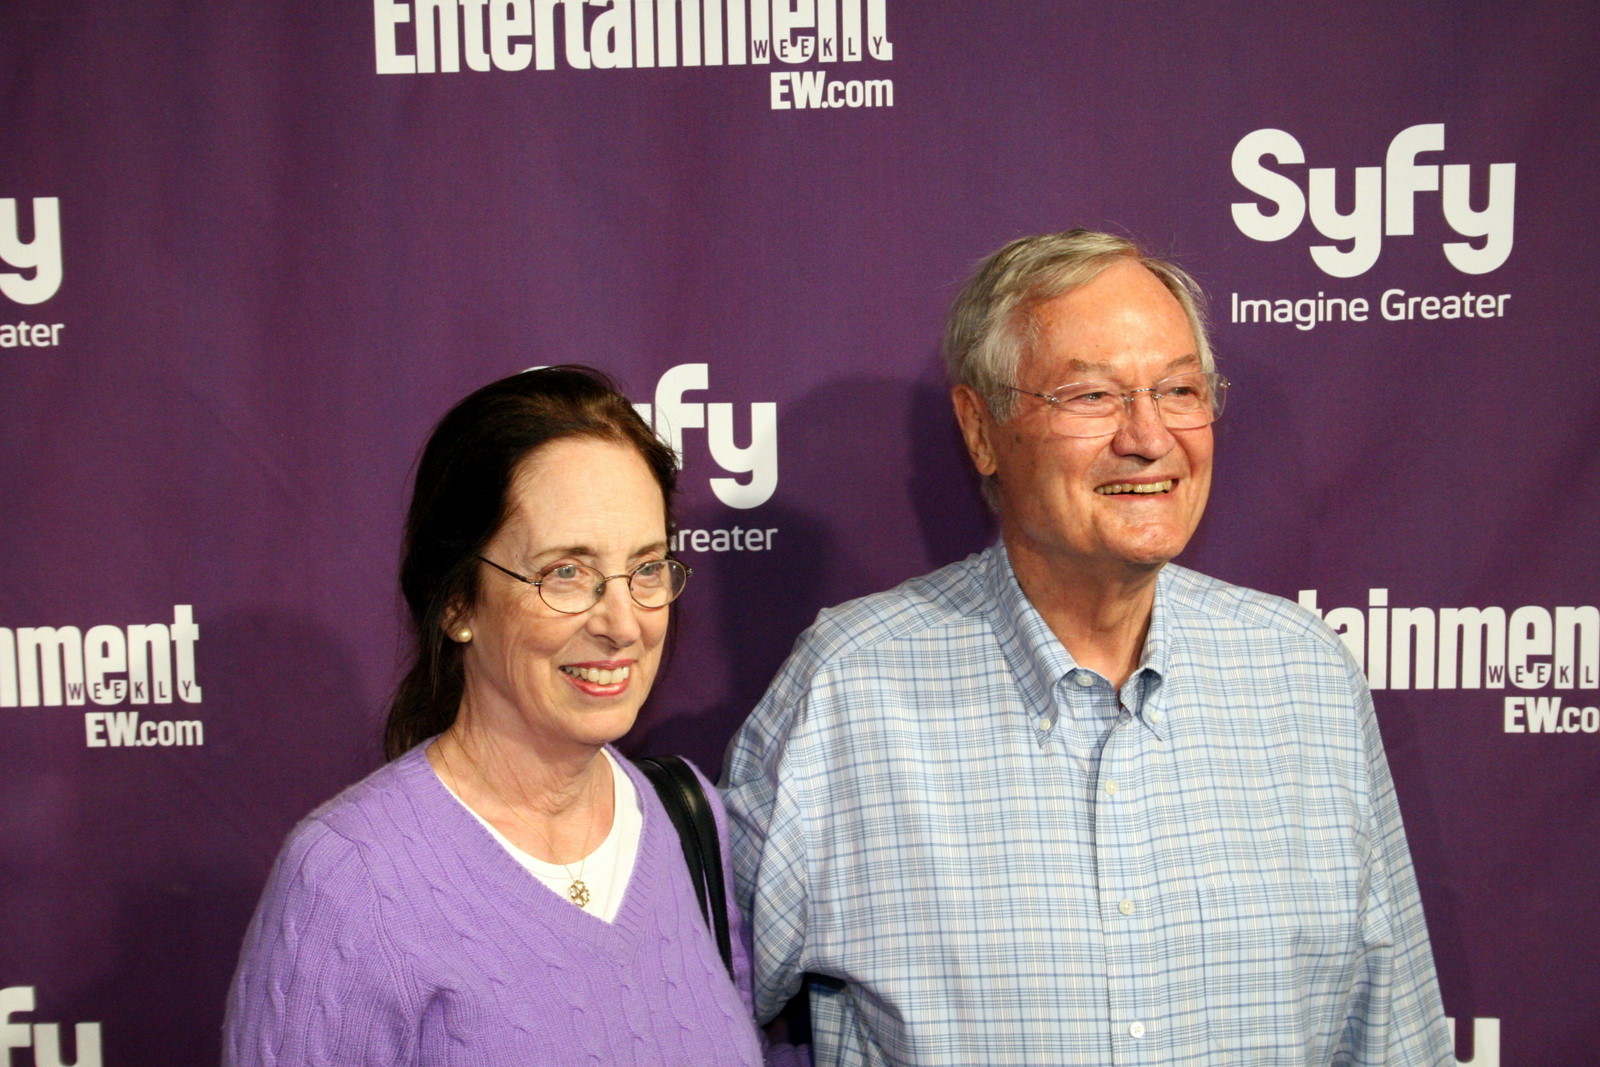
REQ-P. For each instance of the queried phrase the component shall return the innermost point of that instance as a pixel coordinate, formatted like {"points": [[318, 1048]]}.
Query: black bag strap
{"points": [[691, 815]]}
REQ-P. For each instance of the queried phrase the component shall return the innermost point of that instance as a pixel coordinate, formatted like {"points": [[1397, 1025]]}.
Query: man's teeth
{"points": [[1130, 487], [597, 676]]}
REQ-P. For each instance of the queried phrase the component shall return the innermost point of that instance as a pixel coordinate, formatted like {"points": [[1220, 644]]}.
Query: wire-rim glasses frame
{"points": [[665, 581], [1095, 408]]}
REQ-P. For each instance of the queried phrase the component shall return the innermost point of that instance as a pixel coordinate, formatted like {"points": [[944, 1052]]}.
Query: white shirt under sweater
{"points": [[606, 870]]}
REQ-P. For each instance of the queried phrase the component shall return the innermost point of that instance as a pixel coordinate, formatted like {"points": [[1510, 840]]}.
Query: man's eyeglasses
{"points": [[1097, 408], [574, 588]]}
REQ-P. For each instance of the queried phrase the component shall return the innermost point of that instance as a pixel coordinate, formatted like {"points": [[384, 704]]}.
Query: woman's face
{"points": [[566, 682]]}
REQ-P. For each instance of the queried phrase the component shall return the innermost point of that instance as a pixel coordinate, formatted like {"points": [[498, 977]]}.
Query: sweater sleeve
{"points": [[318, 980]]}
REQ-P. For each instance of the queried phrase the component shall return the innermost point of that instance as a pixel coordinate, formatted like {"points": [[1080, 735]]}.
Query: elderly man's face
{"points": [[1098, 505]]}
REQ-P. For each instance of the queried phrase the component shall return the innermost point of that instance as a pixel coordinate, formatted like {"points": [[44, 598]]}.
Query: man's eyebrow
{"points": [[1084, 366]]}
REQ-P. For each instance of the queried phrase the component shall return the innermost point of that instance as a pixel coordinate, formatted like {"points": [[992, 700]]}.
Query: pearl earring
{"points": [[464, 634]]}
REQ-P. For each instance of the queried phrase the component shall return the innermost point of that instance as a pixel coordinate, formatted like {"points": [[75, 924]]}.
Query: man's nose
{"points": [[1143, 431]]}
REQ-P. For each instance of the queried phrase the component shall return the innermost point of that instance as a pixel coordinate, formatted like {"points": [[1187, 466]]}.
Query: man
{"points": [[1062, 802]]}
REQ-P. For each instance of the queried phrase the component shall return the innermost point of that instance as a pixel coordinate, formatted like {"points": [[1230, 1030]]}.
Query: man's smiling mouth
{"points": [[1117, 488]]}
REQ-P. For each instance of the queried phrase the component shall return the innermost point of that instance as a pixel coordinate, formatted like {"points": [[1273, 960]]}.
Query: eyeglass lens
{"points": [[574, 587], [1097, 409]]}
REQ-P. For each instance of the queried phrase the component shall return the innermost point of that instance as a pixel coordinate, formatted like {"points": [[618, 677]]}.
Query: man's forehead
{"points": [[1122, 323]]}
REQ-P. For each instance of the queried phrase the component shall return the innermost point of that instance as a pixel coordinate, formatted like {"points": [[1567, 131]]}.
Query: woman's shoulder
{"points": [[657, 821], [389, 805], [646, 787], [360, 845]]}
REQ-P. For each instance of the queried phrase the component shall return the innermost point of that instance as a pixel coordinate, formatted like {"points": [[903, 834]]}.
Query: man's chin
{"points": [[1151, 553]]}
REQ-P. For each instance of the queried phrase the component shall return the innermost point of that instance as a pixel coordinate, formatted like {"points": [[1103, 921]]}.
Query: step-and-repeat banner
{"points": [[250, 252]]}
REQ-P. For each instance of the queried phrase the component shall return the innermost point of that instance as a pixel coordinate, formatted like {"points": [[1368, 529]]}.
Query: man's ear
{"points": [[976, 427]]}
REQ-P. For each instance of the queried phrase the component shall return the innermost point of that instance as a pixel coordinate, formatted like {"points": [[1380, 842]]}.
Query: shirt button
{"points": [[1153, 716], [1045, 722], [1111, 787], [1126, 907], [1083, 678], [1136, 1030]]}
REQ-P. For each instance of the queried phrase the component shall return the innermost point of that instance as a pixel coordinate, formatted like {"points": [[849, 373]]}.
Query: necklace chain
{"points": [[577, 891]]}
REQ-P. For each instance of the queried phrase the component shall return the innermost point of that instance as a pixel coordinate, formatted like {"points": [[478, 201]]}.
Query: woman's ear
{"points": [[456, 625]]}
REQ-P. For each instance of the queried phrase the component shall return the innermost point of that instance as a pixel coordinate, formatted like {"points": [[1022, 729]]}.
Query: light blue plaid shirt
{"points": [[986, 855]]}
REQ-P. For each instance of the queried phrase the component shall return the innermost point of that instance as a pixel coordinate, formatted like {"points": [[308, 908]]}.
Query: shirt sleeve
{"points": [[1396, 1018], [317, 982], [768, 838]]}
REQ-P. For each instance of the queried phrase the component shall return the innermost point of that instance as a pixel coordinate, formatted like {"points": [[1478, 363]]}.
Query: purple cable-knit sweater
{"points": [[395, 930]]}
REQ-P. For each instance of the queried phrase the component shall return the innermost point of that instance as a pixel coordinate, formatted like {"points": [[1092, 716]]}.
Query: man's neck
{"points": [[1101, 615]]}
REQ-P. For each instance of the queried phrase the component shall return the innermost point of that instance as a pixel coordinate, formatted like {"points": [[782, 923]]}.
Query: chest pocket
{"points": [[1280, 960]]}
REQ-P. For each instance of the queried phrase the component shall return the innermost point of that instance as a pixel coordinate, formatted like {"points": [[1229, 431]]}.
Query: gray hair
{"points": [[992, 325]]}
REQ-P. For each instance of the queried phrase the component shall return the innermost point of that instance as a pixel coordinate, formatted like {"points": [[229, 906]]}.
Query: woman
{"points": [[401, 924]]}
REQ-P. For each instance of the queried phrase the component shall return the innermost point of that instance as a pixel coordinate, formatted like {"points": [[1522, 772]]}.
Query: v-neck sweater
{"points": [[395, 930]]}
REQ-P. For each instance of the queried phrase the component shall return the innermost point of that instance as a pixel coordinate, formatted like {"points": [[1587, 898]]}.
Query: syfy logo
{"points": [[1383, 201], [672, 416], [42, 255], [43, 1038]]}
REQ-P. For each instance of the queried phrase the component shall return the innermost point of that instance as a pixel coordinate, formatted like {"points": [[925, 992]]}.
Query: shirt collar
{"points": [[1039, 660], [1036, 658], [1158, 640]]}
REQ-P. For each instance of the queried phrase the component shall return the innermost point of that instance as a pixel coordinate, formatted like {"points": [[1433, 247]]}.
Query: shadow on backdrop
{"points": [[902, 500]]}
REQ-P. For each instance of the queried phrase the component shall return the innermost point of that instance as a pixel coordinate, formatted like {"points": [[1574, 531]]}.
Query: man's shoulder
{"points": [[919, 609], [892, 649], [1195, 597]]}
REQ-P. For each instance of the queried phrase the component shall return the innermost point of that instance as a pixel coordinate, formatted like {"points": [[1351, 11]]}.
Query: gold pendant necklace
{"points": [[577, 891]]}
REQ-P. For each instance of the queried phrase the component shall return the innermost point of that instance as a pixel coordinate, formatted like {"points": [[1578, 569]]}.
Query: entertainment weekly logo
{"points": [[1533, 649], [108, 666], [1383, 202], [30, 268], [459, 36]]}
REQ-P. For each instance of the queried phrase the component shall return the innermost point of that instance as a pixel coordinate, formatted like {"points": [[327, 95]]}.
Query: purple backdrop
{"points": [[249, 252]]}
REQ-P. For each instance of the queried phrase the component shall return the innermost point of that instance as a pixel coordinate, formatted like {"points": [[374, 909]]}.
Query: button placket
{"points": [[1123, 853]]}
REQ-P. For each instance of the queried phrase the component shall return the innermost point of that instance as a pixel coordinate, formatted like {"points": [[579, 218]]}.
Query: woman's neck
{"points": [[557, 810]]}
